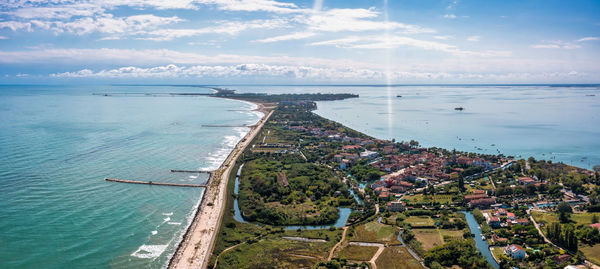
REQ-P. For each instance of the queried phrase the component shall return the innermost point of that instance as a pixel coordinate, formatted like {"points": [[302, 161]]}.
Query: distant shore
{"points": [[196, 246]]}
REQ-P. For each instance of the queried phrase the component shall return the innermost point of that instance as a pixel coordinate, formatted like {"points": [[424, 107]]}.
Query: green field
{"points": [[397, 258], [420, 198], [550, 217], [428, 237], [592, 253], [357, 253], [419, 221], [498, 253], [275, 252], [374, 232]]}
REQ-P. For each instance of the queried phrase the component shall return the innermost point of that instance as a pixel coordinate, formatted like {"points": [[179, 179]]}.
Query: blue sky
{"points": [[306, 42]]}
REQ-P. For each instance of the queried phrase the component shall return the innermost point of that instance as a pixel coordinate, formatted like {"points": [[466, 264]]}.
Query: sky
{"points": [[299, 42]]}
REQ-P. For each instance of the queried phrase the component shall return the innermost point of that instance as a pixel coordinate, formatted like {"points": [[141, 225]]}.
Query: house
{"points": [[396, 206], [471, 197], [510, 216], [367, 154], [494, 222], [559, 259], [521, 221], [595, 225], [501, 212], [526, 180], [515, 251], [482, 203]]}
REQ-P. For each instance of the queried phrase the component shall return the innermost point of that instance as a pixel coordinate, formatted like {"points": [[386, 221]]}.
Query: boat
{"points": [[398, 96], [483, 237], [460, 108]]}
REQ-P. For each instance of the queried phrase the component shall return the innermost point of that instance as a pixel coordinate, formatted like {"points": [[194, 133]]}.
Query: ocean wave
{"points": [[154, 232], [149, 251], [168, 214], [173, 223]]}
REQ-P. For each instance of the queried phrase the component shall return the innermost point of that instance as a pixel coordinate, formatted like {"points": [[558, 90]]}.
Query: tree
{"points": [[461, 183], [594, 218], [564, 211]]}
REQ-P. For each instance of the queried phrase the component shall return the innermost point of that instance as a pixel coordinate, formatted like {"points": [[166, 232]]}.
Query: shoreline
{"points": [[195, 248]]}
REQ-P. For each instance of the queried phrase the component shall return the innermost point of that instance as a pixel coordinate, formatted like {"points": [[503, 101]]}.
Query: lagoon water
{"points": [[559, 123], [58, 143]]}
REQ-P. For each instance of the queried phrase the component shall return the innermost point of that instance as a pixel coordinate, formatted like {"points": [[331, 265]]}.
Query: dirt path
{"points": [[338, 244], [196, 247], [374, 258]]}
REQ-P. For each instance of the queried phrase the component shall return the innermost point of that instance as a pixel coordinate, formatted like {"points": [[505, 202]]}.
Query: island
{"points": [[297, 175]]}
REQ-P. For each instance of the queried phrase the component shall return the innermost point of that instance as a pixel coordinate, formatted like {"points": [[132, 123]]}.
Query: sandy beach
{"points": [[196, 247]]}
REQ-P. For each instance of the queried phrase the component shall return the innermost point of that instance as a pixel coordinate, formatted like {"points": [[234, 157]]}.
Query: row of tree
{"points": [[562, 235]]}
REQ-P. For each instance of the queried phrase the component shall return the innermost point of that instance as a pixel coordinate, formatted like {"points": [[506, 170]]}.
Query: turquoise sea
{"points": [[552, 122], [58, 143]]}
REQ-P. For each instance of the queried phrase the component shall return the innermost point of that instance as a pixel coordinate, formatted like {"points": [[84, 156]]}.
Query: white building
{"points": [[515, 252]]}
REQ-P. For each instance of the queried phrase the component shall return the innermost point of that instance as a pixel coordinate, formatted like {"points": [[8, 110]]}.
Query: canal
{"points": [[482, 245]]}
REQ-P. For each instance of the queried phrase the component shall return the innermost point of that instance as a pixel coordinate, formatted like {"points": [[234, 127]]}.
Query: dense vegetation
{"points": [[286, 190], [456, 252]]}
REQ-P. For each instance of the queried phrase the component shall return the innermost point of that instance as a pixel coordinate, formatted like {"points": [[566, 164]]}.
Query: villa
{"points": [[515, 251]]}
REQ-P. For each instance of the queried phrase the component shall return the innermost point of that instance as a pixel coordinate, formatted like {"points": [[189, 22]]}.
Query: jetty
{"points": [[155, 183], [190, 171], [226, 125]]}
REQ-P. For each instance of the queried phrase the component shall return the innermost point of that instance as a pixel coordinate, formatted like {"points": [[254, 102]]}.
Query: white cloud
{"points": [[3, 37], [255, 5], [103, 24], [391, 42], [292, 36], [222, 27], [306, 72], [161, 56], [556, 44], [354, 20], [450, 16], [15, 25], [443, 37], [591, 38], [474, 38]]}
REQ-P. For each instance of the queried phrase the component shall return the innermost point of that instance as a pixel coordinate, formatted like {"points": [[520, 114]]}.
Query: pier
{"points": [[156, 183], [226, 125], [190, 171]]}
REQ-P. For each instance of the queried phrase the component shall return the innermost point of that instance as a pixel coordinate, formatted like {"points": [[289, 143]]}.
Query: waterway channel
{"points": [[481, 244]]}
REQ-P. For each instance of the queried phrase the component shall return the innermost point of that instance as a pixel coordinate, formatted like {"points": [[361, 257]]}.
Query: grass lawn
{"points": [[397, 257], [357, 253], [592, 253], [275, 252], [420, 198], [549, 217], [418, 221], [428, 237], [374, 232], [498, 253], [454, 234]]}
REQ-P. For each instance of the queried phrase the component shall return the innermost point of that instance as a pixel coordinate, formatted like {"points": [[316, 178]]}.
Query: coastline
{"points": [[195, 248]]}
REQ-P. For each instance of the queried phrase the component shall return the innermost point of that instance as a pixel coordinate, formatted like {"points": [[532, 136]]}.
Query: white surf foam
{"points": [[173, 223], [149, 251], [167, 219], [154, 232], [168, 214]]}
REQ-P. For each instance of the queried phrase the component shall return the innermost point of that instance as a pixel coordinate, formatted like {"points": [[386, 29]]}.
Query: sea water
{"points": [[552, 122], [59, 143]]}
